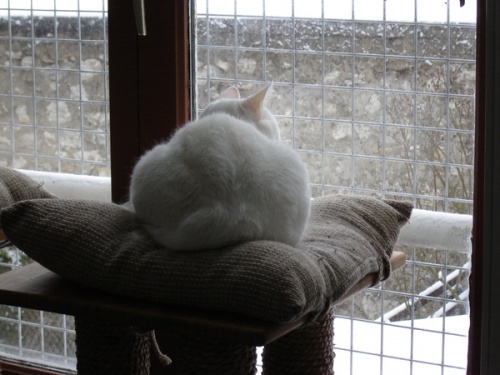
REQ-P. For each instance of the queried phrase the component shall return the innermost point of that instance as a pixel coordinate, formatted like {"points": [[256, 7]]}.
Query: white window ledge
{"points": [[427, 229], [70, 186]]}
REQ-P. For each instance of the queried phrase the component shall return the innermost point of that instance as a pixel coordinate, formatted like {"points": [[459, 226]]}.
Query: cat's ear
{"points": [[255, 102], [230, 93]]}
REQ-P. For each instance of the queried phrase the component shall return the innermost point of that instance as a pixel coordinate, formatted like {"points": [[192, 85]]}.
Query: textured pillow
{"points": [[16, 186], [102, 245]]}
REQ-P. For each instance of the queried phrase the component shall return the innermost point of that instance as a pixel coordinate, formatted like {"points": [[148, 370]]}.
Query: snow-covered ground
{"points": [[421, 340], [406, 347]]}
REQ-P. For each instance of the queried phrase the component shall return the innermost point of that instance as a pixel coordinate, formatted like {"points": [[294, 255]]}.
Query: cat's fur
{"points": [[223, 179]]}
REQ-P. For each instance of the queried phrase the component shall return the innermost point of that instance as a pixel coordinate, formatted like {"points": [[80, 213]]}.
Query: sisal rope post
{"points": [[306, 351], [203, 357], [105, 348]]}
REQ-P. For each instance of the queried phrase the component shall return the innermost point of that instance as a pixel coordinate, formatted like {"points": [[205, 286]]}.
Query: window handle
{"points": [[140, 17]]}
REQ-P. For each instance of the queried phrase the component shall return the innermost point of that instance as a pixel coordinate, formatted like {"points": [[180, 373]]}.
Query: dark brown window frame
{"points": [[484, 335], [148, 81], [14, 368]]}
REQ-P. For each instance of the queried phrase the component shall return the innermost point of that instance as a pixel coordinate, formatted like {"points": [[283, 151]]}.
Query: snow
{"points": [[70, 186], [422, 340], [417, 347], [446, 231]]}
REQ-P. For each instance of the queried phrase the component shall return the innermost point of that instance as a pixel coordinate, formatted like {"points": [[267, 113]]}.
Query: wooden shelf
{"points": [[35, 287]]}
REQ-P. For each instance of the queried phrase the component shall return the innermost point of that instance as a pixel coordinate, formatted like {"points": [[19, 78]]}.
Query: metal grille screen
{"points": [[378, 99], [53, 117], [376, 96]]}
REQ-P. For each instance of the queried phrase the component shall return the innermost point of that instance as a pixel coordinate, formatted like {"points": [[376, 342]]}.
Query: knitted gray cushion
{"points": [[16, 186], [102, 245]]}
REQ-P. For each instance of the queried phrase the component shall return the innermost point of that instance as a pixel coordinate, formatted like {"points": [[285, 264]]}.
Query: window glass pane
{"points": [[380, 104], [54, 117], [307, 8], [341, 10], [62, 56], [369, 9], [431, 11], [400, 10]]}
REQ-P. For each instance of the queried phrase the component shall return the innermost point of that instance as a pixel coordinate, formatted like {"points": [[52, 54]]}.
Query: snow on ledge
{"points": [[438, 230], [427, 229], [71, 186]]}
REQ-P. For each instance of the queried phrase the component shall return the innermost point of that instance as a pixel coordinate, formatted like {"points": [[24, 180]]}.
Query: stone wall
{"points": [[59, 109], [402, 93]]}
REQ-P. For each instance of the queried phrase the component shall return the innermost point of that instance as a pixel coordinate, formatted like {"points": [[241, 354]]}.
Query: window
{"points": [[378, 99], [54, 95], [54, 117], [139, 109], [252, 57]]}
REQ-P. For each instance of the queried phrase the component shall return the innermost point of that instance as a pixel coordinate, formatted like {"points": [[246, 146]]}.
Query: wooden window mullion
{"points": [[149, 93]]}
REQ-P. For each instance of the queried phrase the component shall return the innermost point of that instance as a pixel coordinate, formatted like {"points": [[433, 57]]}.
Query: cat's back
{"points": [[201, 159], [218, 181], [219, 129], [211, 136]]}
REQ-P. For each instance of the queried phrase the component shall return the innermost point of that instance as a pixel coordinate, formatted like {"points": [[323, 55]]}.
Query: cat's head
{"points": [[249, 109]]}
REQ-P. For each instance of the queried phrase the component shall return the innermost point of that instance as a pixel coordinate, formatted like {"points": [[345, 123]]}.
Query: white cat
{"points": [[223, 179]]}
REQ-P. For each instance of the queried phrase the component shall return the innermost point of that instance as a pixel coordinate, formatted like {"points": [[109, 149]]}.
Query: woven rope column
{"points": [[202, 357], [305, 351], [107, 349]]}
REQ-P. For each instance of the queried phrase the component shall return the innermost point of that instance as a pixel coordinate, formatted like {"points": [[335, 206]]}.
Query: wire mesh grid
{"points": [[415, 323], [54, 92], [381, 107], [380, 103], [31, 335], [354, 96], [53, 117]]}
